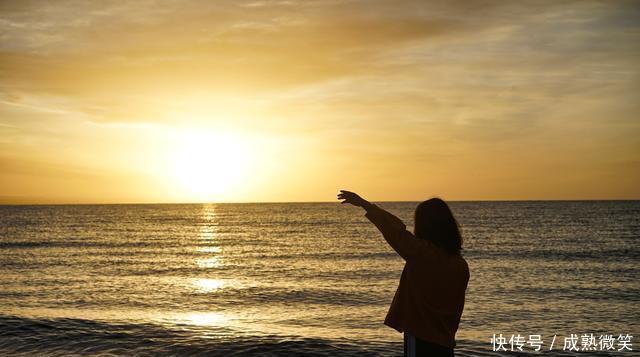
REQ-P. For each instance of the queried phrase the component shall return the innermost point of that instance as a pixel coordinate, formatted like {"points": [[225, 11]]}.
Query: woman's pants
{"points": [[415, 347]]}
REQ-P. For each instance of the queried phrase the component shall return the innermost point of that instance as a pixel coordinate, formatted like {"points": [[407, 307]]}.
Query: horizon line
{"points": [[285, 202]]}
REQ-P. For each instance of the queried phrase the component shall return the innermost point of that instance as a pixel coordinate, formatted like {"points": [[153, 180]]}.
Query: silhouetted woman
{"points": [[429, 300]]}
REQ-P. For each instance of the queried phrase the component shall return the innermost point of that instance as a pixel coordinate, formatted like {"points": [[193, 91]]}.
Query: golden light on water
{"points": [[202, 318], [212, 262], [208, 236], [210, 249], [208, 285], [209, 214]]}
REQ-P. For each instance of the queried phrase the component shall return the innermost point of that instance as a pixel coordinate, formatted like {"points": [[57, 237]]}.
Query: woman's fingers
{"points": [[347, 196]]}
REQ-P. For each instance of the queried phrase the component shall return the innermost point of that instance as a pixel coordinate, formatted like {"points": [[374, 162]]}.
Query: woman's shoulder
{"points": [[432, 254], [458, 261]]}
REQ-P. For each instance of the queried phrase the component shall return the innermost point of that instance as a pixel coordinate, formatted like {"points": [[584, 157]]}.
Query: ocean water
{"points": [[301, 278]]}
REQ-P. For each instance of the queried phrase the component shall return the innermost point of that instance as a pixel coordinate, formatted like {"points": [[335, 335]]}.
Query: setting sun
{"points": [[205, 166]]}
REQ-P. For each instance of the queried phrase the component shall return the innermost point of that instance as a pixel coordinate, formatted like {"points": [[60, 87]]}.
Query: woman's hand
{"points": [[353, 198]]}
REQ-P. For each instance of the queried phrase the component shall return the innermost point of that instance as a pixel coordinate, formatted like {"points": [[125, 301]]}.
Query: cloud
{"points": [[432, 81], [342, 56]]}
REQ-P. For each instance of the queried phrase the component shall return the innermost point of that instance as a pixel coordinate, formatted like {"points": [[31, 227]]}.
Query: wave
{"points": [[620, 254], [75, 337], [64, 336]]}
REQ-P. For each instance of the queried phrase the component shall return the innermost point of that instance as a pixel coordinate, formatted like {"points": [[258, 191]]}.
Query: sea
{"points": [[308, 279]]}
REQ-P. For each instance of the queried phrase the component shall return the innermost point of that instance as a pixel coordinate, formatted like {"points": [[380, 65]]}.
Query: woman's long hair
{"points": [[435, 222]]}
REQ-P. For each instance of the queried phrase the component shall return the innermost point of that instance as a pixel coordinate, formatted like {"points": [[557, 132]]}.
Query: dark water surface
{"points": [[300, 279]]}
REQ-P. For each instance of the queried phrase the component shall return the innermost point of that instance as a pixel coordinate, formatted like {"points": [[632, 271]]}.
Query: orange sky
{"points": [[194, 101]]}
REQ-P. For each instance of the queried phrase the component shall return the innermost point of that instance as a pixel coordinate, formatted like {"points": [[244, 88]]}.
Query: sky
{"points": [[268, 101]]}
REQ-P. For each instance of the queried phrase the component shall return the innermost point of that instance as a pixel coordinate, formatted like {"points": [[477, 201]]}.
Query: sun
{"points": [[208, 166]]}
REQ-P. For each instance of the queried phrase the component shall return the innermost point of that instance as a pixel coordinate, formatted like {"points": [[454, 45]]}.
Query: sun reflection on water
{"points": [[202, 318], [209, 225], [213, 262], [208, 230], [210, 249], [208, 285]]}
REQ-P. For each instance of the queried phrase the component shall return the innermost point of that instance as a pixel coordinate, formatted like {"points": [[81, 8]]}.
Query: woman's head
{"points": [[435, 222]]}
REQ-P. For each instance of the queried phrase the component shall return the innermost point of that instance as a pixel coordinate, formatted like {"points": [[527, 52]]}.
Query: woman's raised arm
{"points": [[392, 228]]}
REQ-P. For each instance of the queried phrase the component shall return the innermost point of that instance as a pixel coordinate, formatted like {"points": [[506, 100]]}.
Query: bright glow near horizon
{"points": [[200, 101], [208, 166]]}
